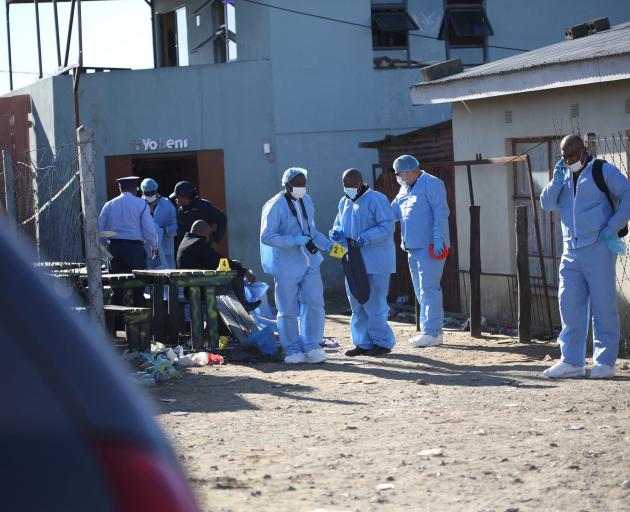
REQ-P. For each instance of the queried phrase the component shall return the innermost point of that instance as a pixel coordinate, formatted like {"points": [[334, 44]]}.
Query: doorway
{"points": [[202, 168]]}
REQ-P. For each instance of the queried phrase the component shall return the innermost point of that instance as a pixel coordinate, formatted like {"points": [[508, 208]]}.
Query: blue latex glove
{"points": [[300, 239], [335, 235], [438, 245], [359, 242], [559, 173], [615, 244]]}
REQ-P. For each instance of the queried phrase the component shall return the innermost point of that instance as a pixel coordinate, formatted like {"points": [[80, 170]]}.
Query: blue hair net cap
{"points": [[148, 185], [406, 163], [291, 173]]}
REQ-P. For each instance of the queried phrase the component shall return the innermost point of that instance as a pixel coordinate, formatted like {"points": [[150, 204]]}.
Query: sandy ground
{"points": [[470, 425]]}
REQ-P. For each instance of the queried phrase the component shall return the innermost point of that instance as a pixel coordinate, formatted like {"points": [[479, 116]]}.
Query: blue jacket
{"points": [[584, 215], [371, 217], [278, 226], [423, 212], [165, 220]]}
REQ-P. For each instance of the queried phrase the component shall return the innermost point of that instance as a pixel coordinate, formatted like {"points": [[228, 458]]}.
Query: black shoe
{"points": [[378, 351], [250, 306], [357, 351]]}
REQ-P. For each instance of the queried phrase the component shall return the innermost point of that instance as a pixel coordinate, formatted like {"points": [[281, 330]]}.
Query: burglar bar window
{"points": [[465, 29], [390, 26]]}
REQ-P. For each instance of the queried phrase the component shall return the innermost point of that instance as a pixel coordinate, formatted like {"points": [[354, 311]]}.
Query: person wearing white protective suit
{"points": [[423, 212], [290, 251], [593, 199], [165, 219]]}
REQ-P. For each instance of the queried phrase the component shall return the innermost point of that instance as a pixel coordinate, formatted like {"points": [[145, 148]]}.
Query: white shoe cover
{"points": [[426, 340], [562, 370], [317, 355], [295, 358], [602, 371]]}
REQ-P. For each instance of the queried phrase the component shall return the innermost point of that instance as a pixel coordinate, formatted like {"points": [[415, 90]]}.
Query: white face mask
{"points": [[298, 192], [351, 192], [150, 199], [401, 181], [575, 167]]}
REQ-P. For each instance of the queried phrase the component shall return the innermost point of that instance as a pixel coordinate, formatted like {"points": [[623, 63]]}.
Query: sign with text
{"points": [[149, 144]]}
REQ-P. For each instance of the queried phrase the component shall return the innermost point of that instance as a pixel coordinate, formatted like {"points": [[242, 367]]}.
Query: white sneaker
{"points": [[563, 370], [602, 371], [317, 355], [295, 358], [426, 340]]}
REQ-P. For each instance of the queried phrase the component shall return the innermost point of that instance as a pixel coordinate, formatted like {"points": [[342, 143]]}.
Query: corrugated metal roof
{"points": [[612, 42]]}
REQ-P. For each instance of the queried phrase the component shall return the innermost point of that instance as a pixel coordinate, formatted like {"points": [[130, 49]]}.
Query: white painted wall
{"points": [[479, 127]]}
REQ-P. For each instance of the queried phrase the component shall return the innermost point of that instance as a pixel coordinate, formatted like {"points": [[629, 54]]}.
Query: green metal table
{"points": [[126, 282], [165, 315]]}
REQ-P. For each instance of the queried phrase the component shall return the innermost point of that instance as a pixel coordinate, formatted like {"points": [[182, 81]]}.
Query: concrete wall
{"points": [[601, 110]]}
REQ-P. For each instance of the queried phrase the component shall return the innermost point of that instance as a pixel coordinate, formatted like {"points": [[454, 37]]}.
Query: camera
{"points": [[311, 247]]}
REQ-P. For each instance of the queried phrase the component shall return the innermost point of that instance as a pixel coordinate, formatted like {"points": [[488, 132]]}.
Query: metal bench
{"points": [[137, 325]]}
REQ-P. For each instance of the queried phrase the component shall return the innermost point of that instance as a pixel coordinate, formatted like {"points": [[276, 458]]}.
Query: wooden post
{"points": [[9, 185], [522, 270], [541, 261], [475, 272], [85, 147]]}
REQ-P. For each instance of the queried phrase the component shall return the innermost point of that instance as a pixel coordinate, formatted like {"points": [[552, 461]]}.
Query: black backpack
{"points": [[598, 176]]}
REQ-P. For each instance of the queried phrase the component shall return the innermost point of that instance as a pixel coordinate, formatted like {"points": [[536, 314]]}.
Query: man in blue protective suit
{"points": [[587, 269], [366, 220], [289, 250], [423, 212], [165, 219], [128, 217]]}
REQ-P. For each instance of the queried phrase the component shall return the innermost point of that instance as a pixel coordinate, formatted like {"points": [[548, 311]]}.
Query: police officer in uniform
{"points": [[129, 218]]}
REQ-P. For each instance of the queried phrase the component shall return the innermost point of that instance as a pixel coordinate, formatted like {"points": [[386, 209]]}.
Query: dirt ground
{"points": [[470, 425]]}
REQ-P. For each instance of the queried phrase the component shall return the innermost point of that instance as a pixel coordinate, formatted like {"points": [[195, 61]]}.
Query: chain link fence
{"points": [[614, 149], [42, 194]]}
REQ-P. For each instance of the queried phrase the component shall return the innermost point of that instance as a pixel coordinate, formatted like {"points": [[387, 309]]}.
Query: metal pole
{"points": [[39, 40], [69, 38], [475, 271], [522, 271], [57, 33], [80, 23], [153, 36], [9, 48], [9, 185], [471, 193], [85, 141], [541, 261]]}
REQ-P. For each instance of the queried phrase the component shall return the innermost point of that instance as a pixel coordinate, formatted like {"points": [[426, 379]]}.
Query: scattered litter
{"points": [[625, 366], [541, 420], [480, 432], [158, 347], [350, 427], [512, 405], [240, 378], [200, 359], [328, 343], [567, 409], [384, 487], [548, 358], [178, 413], [576, 427], [625, 484], [168, 400], [431, 452]]}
